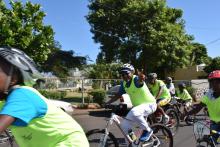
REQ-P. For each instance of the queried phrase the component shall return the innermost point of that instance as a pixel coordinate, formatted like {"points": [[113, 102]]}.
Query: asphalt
{"points": [[88, 111]]}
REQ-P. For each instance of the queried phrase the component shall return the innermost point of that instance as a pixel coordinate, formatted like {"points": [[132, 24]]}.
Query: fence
{"points": [[76, 85], [84, 85]]}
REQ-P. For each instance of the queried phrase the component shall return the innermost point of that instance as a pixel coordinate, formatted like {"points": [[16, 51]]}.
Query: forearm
{"points": [[196, 109], [5, 122], [158, 94]]}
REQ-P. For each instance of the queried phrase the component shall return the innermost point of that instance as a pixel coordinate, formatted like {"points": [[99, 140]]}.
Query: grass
{"points": [[76, 97]]}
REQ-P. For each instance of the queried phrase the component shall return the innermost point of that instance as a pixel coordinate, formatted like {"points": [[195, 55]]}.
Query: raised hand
{"points": [[141, 75]]}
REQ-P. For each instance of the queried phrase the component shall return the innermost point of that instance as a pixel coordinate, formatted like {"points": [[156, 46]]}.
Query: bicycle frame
{"points": [[204, 132], [116, 120]]}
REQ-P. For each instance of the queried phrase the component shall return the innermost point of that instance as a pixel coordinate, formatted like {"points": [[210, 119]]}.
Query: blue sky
{"points": [[67, 18]]}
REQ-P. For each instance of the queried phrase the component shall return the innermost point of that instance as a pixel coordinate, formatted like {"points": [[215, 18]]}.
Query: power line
{"points": [[214, 41]]}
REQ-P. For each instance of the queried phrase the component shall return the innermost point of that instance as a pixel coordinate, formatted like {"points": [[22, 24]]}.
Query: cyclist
{"points": [[212, 101], [183, 95], [161, 94], [33, 120], [142, 100], [170, 86]]}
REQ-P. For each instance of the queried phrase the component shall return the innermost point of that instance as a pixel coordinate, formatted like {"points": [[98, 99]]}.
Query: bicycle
{"points": [[173, 123], [6, 138], [181, 108], [202, 132], [162, 136]]}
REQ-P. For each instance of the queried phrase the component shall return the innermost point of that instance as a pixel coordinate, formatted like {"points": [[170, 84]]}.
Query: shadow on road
{"points": [[100, 113]]}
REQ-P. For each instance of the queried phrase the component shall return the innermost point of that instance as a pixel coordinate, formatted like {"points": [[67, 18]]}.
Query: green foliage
{"points": [[214, 65], [22, 27], [147, 34], [53, 94], [191, 90], [60, 62], [199, 54], [98, 95], [104, 71]]}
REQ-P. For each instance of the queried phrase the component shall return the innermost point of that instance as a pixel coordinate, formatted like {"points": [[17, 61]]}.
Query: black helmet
{"points": [[23, 62], [182, 85], [152, 76]]}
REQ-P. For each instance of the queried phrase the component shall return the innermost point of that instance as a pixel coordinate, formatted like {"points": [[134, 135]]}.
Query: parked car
{"points": [[125, 97], [65, 106]]}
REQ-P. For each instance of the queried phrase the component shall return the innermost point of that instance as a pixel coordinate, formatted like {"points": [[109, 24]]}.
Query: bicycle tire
{"points": [[164, 135], [6, 139], [205, 142], [95, 135], [174, 122], [189, 120]]}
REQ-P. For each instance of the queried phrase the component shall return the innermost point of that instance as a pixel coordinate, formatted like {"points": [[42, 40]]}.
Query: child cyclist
{"points": [[33, 120], [142, 100], [183, 95], [212, 101], [170, 86]]}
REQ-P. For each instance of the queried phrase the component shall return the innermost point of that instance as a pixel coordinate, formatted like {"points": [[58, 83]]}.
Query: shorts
{"points": [[163, 101]]}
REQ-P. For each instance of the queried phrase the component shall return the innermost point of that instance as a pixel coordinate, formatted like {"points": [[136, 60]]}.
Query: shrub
{"points": [[191, 90], [98, 95], [53, 94]]}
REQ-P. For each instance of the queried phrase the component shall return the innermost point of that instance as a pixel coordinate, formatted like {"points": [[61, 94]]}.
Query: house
{"points": [[189, 73]]}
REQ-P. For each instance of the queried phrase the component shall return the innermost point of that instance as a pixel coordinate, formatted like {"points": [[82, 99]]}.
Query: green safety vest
{"points": [[213, 106], [184, 95], [139, 95], [55, 129], [155, 89]]}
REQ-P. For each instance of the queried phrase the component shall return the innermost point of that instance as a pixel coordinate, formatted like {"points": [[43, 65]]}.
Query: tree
{"points": [[214, 65], [22, 27], [61, 61], [199, 54], [103, 71], [146, 33]]}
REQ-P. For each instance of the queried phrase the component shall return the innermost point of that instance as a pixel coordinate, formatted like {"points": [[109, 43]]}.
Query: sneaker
{"points": [[146, 135], [166, 119]]}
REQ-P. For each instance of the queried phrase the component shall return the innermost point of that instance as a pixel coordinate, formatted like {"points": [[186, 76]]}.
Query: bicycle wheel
{"points": [[94, 137], [174, 121], [189, 120], [205, 142], [6, 139], [162, 135]]}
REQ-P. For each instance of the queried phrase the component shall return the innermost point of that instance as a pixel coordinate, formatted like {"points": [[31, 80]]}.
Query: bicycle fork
{"points": [[103, 139]]}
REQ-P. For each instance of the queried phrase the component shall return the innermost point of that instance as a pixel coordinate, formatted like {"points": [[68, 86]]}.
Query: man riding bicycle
{"points": [[212, 101], [142, 100], [160, 92]]}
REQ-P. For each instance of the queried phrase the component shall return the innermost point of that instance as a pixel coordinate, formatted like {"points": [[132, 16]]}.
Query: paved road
{"points": [[184, 138]]}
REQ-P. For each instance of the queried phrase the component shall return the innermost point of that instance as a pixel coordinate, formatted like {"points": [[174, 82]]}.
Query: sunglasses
{"points": [[124, 74]]}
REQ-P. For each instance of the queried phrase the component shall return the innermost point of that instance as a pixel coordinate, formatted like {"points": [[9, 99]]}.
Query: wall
{"points": [[188, 73]]}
